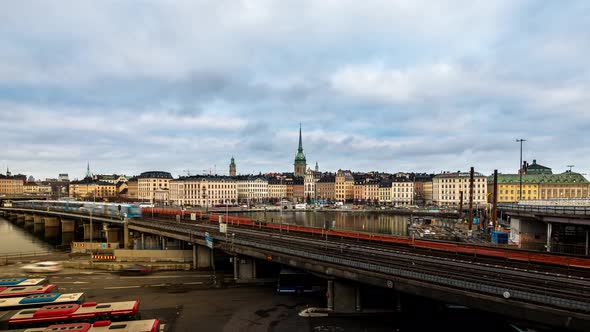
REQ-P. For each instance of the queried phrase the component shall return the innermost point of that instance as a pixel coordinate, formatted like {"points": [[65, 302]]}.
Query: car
{"points": [[40, 267], [135, 270]]}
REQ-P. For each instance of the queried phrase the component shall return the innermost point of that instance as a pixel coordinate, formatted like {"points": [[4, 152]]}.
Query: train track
{"points": [[566, 287]]}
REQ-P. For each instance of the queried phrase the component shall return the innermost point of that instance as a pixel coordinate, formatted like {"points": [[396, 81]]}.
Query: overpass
{"points": [[541, 294]]}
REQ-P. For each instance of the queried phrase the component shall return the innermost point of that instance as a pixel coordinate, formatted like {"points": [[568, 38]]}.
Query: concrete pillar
{"points": [[68, 226], [142, 241], [38, 219], [549, 229], [236, 268], [29, 219], [345, 297], [112, 234], [330, 295], [358, 305], [203, 256], [20, 218], [246, 268], [95, 231], [38, 228], [126, 243], [194, 256], [51, 222], [51, 232]]}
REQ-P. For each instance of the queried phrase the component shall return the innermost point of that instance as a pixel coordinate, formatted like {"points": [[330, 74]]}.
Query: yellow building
{"points": [[10, 185], [132, 189], [447, 188], [277, 189], [203, 191], [89, 189], [149, 182], [344, 186], [385, 187], [326, 187], [538, 182]]}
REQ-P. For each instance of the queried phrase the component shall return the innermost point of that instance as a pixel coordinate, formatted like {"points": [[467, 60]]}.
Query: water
{"points": [[373, 222], [14, 239]]}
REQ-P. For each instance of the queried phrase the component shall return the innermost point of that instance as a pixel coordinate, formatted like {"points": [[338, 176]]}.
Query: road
{"points": [[185, 300]]}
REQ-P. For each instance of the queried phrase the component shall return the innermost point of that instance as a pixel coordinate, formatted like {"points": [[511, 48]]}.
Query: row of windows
{"points": [[457, 198], [463, 180], [464, 186]]}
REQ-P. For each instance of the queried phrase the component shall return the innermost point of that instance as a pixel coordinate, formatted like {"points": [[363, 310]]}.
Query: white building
{"points": [[447, 188], [203, 191], [402, 191], [252, 189]]}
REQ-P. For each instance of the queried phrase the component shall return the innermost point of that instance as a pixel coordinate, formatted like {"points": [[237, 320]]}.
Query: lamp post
{"points": [[520, 140]]}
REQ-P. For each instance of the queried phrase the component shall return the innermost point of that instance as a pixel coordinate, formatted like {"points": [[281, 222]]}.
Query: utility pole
{"points": [[470, 199], [461, 206], [520, 168], [495, 200]]}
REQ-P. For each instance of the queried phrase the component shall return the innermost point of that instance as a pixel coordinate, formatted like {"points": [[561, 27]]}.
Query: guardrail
{"points": [[564, 210]]}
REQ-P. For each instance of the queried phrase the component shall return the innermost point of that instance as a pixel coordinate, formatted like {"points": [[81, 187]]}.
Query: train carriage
{"points": [[67, 313], [36, 300], [122, 210], [147, 325], [26, 290]]}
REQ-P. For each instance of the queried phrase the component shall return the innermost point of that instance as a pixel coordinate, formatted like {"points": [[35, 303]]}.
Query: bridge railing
{"points": [[565, 210]]}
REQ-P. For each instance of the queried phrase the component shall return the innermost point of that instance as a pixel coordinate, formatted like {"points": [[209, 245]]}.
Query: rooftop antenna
{"points": [[570, 166]]}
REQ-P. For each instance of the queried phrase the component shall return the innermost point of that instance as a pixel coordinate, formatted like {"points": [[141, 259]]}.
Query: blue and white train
{"points": [[123, 210]]}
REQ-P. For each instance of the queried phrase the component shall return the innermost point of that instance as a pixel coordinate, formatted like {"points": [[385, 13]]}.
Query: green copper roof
{"points": [[563, 178], [232, 163], [300, 157]]}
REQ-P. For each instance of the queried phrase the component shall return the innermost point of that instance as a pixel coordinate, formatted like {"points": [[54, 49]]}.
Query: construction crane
{"points": [[189, 172]]}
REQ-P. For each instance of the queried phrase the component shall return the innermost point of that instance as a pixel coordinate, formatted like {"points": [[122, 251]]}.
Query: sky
{"points": [[390, 86]]}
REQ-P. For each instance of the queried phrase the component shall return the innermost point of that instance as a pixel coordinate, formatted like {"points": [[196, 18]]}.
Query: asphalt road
{"points": [[187, 300]]}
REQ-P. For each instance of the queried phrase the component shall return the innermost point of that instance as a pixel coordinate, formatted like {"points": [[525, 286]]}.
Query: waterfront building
{"points": [[446, 188], [538, 183], [326, 187], [33, 188], [201, 191], [277, 189], [344, 186], [402, 191], [299, 189], [232, 167], [309, 183], [11, 185], [359, 191], [289, 187], [149, 182], [88, 189], [252, 188], [300, 164], [423, 188], [385, 186], [133, 189]]}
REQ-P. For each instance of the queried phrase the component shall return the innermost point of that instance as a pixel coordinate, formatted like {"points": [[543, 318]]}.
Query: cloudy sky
{"points": [[388, 85]]}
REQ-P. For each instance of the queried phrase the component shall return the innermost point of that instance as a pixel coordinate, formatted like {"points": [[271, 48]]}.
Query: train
{"points": [[435, 245], [120, 210]]}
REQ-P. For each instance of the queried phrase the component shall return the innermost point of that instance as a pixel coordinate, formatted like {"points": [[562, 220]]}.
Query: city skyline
{"points": [[408, 86]]}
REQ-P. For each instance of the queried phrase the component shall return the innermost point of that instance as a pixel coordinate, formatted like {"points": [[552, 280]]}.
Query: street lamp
{"points": [[520, 140]]}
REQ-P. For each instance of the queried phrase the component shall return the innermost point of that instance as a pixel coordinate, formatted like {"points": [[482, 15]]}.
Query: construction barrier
{"points": [[105, 257]]}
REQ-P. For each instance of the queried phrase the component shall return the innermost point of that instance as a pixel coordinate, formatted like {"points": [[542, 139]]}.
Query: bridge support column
{"points": [[29, 219], [203, 256], [68, 226], [549, 229], [358, 305], [95, 231], [126, 243], [38, 219], [330, 294], [344, 297], [112, 234], [236, 269], [51, 222], [142, 241], [244, 268], [194, 256]]}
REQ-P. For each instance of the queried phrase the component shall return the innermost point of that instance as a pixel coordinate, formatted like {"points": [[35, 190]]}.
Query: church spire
{"points": [[88, 174], [300, 144]]}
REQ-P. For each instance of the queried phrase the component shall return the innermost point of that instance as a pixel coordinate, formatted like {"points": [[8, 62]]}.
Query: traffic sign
{"points": [[208, 240]]}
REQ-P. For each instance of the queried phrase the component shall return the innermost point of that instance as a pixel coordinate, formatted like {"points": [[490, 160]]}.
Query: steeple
{"points": [[232, 167], [88, 174], [300, 150], [317, 168], [7, 171], [300, 162]]}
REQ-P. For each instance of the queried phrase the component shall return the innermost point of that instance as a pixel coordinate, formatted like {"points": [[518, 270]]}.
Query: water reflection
{"points": [[16, 240], [371, 222]]}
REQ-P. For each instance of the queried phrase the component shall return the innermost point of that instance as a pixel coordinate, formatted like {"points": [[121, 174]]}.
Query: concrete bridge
{"points": [[542, 294]]}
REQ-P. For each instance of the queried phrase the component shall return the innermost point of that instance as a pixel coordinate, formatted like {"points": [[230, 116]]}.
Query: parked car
{"points": [[135, 270], [41, 267]]}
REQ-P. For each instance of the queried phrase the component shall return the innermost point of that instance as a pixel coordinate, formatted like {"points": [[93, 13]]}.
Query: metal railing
{"points": [[555, 209]]}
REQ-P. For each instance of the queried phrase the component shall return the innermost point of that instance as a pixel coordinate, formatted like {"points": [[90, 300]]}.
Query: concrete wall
{"points": [[528, 233], [130, 255]]}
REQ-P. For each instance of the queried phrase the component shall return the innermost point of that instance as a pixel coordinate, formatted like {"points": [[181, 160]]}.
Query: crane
{"points": [[189, 172]]}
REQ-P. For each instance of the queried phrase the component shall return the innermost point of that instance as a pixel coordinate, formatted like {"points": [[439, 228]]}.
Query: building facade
{"points": [[402, 191], [326, 187], [309, 184], [252, 189], [149, 182], [89, 189], [203, 191], [344, 186], [447, 188], [385, 186], [11, 185], [277, 189]]}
